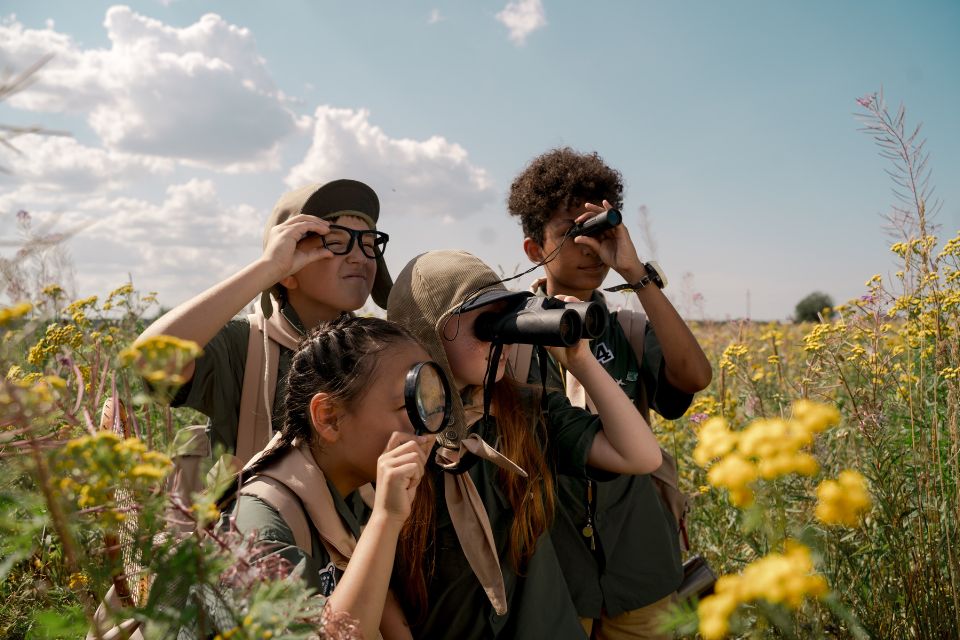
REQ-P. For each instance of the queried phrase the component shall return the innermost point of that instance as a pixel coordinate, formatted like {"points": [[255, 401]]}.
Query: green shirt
{"points": [[538, 602], [637, 556], [217, 382], [313, 567]]}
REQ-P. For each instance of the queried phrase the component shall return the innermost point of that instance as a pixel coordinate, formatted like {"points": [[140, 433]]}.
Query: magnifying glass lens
{"points": [[427, 396], [431, 399]]}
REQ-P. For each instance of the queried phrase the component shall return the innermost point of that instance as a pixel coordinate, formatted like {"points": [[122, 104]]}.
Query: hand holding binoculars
{"points": [[597, 224]]}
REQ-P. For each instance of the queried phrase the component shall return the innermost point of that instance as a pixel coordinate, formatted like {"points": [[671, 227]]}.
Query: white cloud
{"points": [[62, 164], [179, 247], [523, 17], [430, 178], [200, 93], [435, 17]]}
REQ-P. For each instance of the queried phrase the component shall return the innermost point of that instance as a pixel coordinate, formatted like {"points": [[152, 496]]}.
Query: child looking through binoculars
{"points": [[618, 540], [475, 559]]}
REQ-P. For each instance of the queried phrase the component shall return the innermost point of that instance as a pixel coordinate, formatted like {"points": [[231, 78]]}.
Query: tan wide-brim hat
{"points": [[329, 201]]}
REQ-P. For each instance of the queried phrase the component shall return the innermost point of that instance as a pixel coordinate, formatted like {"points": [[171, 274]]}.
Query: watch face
{"points": [[656, 274]]}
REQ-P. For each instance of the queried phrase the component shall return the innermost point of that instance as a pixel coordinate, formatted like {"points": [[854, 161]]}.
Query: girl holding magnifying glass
{"points": [[351, 409]]}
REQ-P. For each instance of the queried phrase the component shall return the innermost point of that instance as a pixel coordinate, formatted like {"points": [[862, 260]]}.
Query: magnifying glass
{"points": [[426, 394]]}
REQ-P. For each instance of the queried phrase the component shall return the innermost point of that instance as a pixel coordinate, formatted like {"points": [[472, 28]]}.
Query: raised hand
{"points": [[614, 246], [288, 247], [399, 470]]}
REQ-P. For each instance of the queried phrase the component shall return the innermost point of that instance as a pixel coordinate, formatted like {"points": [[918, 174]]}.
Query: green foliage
{"points": [[812, 307], [82, 507], [61, 624]]}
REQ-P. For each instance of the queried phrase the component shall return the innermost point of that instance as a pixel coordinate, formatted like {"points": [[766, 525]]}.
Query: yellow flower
{"points": [[814, 416], [9, 314], [77, 580], [148, 471], [843, 501], [714, 612], [733, 472], [714, 440], [741, 497], [52, 290]]}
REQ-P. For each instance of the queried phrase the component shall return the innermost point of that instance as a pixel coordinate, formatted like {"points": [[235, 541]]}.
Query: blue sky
{"points": [[732, 122]]}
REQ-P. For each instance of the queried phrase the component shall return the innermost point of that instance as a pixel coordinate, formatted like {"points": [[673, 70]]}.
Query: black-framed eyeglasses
{"points": [[339, 240]]}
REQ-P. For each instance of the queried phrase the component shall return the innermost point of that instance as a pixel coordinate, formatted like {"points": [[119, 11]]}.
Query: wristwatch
{"points": [[653, 274]]}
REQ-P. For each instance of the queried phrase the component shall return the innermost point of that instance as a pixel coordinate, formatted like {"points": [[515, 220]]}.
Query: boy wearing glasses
{"points": [[617, 540], [322, 256]]}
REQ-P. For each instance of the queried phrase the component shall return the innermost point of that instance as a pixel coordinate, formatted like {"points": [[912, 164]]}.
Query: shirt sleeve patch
{"points": [[604, 353]]}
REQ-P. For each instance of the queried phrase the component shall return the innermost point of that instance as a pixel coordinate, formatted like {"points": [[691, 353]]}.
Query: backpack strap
{"points": [[666, 477], [257, 392], [277, 495], [634, 325]]}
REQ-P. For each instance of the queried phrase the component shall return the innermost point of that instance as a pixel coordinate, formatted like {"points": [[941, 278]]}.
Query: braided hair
{"points": [[336, 358]]}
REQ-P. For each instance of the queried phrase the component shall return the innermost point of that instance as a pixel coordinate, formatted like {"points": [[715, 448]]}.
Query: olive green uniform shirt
{"points": [[217, 382], [637, 557], [539, 605], [313, 566]]}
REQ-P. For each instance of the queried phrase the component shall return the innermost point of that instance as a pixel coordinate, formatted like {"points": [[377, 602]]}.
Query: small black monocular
{"points": [[597, 224], [543, 321]]}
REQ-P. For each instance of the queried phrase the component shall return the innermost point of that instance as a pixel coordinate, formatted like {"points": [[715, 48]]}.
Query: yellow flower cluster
{"points": [[92, 468], [56, 336], [9, 314], [52, 291], [766, 448], [816, 339], [950, 373], [952, 248], [26, 398], [160, 359], [731, 355], [78, 580], [843, 501], [778, 578]]}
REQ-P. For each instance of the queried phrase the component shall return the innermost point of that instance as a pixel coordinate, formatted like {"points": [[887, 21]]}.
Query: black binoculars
{"points": [[597, 224], [543, 321]]}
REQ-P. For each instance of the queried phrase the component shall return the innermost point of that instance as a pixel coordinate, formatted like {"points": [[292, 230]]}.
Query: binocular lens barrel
{"points": [[598, 224], [592, 317], [548, 327]]}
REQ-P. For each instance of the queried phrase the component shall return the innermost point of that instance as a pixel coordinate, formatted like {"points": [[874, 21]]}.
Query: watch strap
{"points": [[648, 277], [636, 286]]}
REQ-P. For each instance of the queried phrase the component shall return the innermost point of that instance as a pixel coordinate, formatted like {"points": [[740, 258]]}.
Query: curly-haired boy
{"points": [[617, 539]]}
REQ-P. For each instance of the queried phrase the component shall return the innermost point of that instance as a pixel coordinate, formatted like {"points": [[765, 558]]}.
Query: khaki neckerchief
{"points": [[298, 471], [254, 424], [467, 513]]}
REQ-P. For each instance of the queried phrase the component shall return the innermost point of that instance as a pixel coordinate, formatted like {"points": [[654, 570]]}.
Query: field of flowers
{"points": [[823, 461]]}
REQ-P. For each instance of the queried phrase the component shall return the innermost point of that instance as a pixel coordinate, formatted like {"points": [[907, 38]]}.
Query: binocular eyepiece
{"points": [[543, 321], [597, 224]]}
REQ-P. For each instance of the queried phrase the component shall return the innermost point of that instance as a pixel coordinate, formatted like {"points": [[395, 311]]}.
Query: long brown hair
{"points": [[523, 439]]}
